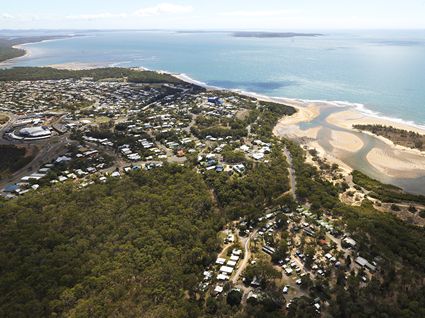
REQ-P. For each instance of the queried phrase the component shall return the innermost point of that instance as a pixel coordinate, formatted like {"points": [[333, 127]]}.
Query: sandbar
{"points": [[345, 141]]}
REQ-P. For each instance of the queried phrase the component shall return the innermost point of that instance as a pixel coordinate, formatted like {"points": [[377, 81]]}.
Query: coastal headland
{"points": [[328, 128]]}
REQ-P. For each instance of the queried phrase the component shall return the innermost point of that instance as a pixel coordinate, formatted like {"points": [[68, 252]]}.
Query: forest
{"points": [[12, 158], [384, 192], [7, 51], [137, 246], [49, 73], [134, 247], [398, 136]]}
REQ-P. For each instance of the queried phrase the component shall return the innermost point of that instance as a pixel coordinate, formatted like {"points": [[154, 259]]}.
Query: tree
{"points": [[234, 297], [281, 251], [309, 252], [264, 271], [211, 305]]}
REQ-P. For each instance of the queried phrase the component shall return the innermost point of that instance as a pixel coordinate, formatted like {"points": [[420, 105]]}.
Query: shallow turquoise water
{"points": [[385, 71], [382, 72]]}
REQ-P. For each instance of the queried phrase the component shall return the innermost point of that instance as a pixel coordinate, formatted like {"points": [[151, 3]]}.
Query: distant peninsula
{"points": [[9, 49], [248, 34]]}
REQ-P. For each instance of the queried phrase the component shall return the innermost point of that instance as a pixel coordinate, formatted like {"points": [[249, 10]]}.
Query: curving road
{"points": [[292, 180], [247, 256]]}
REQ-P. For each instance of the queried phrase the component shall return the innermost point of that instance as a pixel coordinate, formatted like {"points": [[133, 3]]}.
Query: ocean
{"points": [[381, 72]]}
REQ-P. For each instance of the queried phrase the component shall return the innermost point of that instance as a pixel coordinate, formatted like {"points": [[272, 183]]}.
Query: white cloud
{"points": [[6, 16], [97, 16], [19, 17], [164, 8], [260, 13]]}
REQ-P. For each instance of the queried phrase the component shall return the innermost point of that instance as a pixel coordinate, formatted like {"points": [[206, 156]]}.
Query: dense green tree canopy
{"points": [[131, 247]]}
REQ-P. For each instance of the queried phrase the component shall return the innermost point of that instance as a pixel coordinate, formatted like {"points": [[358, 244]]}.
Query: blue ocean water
{"points": [[383, 70]]}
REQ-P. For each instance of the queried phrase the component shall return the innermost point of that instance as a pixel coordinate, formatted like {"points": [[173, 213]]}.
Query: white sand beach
{"points": [[348, 118], [76, 66], [392, 160]]}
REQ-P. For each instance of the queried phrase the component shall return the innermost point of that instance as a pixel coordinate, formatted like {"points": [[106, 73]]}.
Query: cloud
{"points": [[164, 8], [19, 17], [260, 13], [6, 16], [97, 16]]}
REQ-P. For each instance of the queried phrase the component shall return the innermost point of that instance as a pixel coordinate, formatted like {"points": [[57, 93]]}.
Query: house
{"points": [[256, 282], [237, 252], [62, 178], [257, 155], [309, 232], [218, 290], [230, 238], [219, 168], [349, 242], [222, 277], [215, 100], [62, 159], [244, 148], [220, 261], [323, 242], [226, 270], [239, 168], [252, 295], [115, 174], [231, 263], [365, 264], [207, 275], [268, 250]]}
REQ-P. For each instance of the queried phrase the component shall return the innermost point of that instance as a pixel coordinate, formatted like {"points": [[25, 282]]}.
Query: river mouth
{"points": [[414, 182]]}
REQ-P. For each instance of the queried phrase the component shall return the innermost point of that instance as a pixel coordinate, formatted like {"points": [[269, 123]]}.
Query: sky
{"points": [[284, 15]]}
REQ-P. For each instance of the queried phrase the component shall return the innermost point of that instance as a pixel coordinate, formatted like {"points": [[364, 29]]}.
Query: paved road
{"points": [[47, 150], [292, 179], [247, 256]]}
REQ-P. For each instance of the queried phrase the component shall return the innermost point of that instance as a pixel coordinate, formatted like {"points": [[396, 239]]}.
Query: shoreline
{"points": [[397, 162], [391, 161], [28, 52], [346, 143], [294, 102], [9, 62]]}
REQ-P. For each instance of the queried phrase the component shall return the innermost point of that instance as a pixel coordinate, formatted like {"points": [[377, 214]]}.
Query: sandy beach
{"points": [[348, 118], [12, 61], [306, 112], [76, 66], [393, 161], [288, 125]]}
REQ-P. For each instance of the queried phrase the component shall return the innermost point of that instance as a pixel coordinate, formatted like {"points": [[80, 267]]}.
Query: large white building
{"points": [[35, 132]]}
